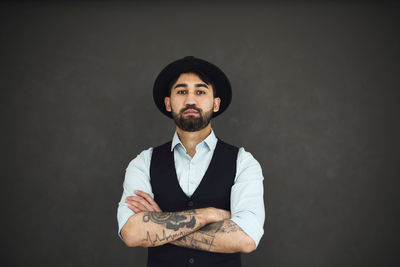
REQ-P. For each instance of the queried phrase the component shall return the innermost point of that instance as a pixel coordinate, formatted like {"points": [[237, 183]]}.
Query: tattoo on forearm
{"points": [[163, 237], [212, 227], [204, 238], [229, 227], [172, 220]]}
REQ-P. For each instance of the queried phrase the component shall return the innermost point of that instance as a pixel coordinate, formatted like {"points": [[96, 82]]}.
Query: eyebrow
{"points": [[196, 85]]}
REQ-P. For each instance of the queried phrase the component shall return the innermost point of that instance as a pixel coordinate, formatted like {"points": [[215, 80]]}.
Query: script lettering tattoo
{"points": [[172, 220]]}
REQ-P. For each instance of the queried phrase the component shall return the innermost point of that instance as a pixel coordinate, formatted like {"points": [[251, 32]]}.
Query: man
{"points": [[196, 200]]}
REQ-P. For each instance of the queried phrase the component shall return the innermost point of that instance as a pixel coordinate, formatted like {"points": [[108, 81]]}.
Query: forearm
{"points": [[148, 229], [223, 236]]}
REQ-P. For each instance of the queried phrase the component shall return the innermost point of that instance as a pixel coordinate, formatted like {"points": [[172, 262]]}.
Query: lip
{"points": [[191, 112]]}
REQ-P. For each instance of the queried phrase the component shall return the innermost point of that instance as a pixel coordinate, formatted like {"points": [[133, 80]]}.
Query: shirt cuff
{"points": [[124, 213]]}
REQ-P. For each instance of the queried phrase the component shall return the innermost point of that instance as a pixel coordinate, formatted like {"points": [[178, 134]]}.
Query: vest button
{"points": [[191, 260], [190, 203]]}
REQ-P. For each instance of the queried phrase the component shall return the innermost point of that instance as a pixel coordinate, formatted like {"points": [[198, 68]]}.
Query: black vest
{"points": [[213, 191]]}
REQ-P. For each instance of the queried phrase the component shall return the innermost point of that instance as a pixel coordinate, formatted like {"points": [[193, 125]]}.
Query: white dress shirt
{"points": [[247, 204]]}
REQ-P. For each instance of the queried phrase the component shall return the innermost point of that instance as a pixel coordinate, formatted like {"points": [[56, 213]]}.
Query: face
{"points": [[192, 102]]}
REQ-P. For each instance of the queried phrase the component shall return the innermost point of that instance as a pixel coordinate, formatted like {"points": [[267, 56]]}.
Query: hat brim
{"points": [[164, 79]]}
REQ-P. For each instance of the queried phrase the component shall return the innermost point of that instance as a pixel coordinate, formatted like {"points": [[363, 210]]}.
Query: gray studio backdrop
{"points": [[315, 100]]}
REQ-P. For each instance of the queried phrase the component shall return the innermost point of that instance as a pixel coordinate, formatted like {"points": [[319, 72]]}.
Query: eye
{"points": [[201, 92], [181, 92]]}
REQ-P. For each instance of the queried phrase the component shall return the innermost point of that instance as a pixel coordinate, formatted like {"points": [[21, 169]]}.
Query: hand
{"points": [[142, 202]]}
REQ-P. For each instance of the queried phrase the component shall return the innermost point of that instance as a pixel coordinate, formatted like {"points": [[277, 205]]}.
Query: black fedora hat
{"points": [[163, 81]]}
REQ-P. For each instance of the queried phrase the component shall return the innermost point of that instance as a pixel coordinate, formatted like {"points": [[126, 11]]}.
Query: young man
{"points": [[196, 200]]}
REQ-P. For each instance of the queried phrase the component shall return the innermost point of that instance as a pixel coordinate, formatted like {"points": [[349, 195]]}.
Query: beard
{"points": [[192, 123]]}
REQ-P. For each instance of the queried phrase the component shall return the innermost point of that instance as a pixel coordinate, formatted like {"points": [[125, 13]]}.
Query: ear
{"points": [[167, 102], [217, 102]]}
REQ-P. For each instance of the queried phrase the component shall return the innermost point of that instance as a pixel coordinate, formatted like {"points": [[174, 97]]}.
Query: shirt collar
{"points": [[210, 141]]}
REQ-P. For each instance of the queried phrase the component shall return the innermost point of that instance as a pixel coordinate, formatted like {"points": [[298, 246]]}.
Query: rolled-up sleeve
{"points": [[137, 177], [247, 196]]}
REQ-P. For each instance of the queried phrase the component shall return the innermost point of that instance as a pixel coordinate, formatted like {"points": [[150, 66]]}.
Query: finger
{"points": [[136, 205], [149, 199], [146, 196], [133, 208], [131, 201], [131, 205], [143, 202]]}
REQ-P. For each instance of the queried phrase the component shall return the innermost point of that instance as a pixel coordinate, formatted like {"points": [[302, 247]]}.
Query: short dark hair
{"points": [[205, 78]]}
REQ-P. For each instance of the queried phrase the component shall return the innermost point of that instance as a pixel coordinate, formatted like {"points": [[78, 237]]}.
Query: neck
{"points": [[191, 139]]}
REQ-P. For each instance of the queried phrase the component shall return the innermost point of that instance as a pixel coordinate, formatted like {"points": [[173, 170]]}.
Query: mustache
{"points": [[191, 107]]}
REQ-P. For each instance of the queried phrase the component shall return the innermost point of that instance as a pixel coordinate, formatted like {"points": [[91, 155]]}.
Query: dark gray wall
{"points": [[316, 101]]}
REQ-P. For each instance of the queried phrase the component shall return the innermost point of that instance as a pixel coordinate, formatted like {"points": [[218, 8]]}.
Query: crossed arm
{"points": [[207, 229]]}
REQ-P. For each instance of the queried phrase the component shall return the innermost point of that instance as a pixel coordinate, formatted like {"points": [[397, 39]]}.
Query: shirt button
{"points": [[190, 203], [191, 260]]}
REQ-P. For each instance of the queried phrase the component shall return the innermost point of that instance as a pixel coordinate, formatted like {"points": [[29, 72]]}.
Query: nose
{"points": [[190, 99]]}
